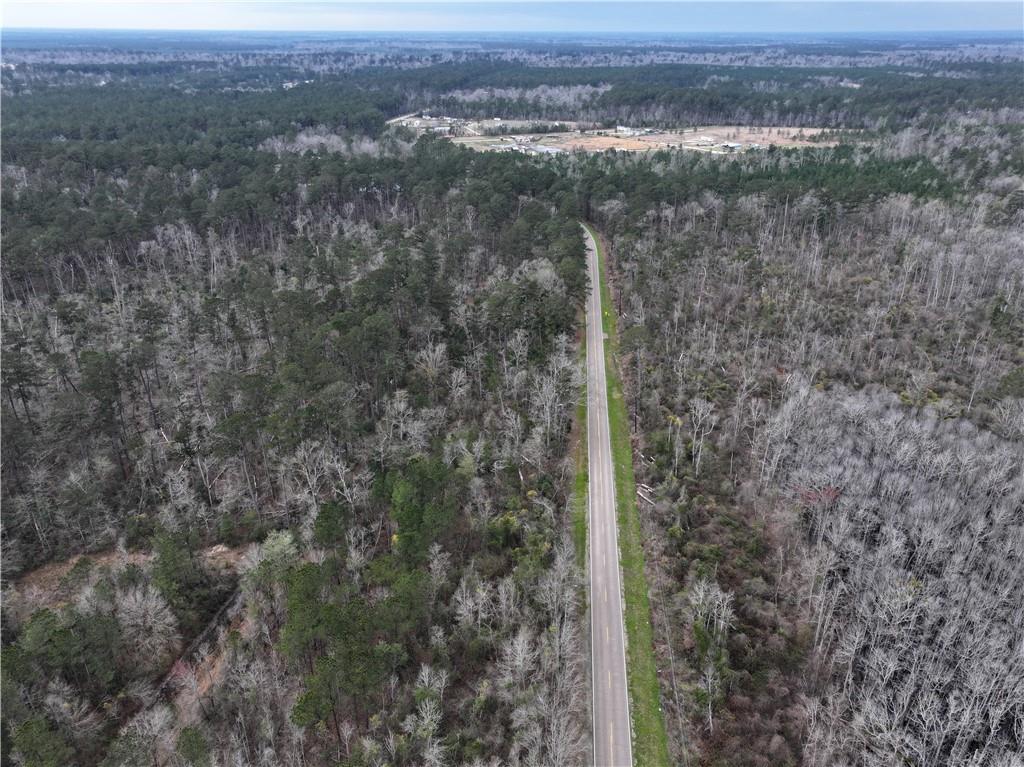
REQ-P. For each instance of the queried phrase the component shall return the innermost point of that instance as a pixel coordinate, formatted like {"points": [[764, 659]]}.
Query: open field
{"points": [[717, 139]]}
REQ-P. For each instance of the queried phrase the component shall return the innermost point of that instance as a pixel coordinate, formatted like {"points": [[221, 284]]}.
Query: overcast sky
{"points": [[744, 17]]}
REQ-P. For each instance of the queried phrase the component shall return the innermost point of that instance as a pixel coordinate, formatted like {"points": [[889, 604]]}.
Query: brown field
{"points": [[708, 139]]}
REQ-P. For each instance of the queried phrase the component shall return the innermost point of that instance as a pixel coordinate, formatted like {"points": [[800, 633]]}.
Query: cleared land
{"points": [[455, 126], [718, 139]]}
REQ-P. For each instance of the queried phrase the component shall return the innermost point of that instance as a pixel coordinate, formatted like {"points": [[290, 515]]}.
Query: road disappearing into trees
{"points": [[611, 724]]}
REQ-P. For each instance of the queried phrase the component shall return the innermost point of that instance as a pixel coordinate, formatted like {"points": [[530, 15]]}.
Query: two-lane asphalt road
{"points": [[612, 736]]}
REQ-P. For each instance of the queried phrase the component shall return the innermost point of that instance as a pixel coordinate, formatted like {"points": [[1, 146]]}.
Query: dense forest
{"points": [[290, 401]]}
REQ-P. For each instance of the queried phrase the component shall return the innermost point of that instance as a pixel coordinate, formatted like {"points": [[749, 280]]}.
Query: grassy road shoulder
{"points": [[650, 744]]}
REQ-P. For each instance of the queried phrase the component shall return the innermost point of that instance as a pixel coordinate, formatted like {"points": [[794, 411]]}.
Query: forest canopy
{"points": [[291, 400]]}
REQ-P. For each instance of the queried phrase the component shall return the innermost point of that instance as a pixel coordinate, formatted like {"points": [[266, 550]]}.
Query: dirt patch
{"points": [[50, 585], [54, 584], [194, 682], [221, 557], [591, 142]]}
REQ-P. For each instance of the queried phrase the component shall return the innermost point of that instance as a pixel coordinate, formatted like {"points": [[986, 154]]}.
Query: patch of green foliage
{"points": [[1011, 384]]}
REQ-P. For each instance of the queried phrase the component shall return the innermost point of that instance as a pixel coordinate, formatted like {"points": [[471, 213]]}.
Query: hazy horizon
{"points": [[729, 17]]}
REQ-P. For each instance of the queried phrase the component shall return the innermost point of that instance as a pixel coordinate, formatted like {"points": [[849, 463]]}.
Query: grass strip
{"points": [[650, 743]]}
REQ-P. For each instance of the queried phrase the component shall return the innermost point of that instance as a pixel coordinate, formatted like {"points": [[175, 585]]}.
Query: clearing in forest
{"points": [[716, 139]]}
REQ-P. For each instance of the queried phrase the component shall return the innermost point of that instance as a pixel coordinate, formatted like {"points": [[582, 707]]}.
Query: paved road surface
{"points": [[612, 741]]}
